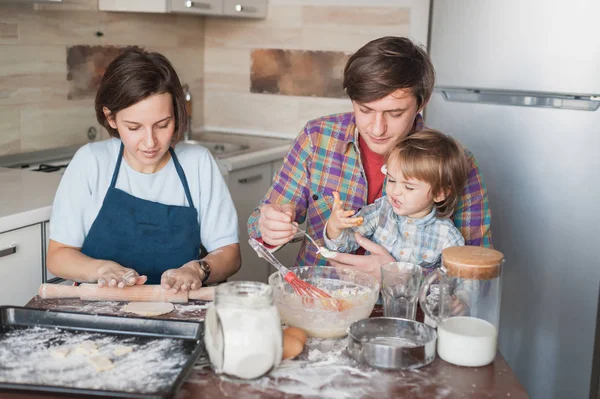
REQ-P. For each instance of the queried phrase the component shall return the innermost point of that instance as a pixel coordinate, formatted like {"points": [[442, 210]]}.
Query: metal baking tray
{"points": [[392, 343], [163, 353]]}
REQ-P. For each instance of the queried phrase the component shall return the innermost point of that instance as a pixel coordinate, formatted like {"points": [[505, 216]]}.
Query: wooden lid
{"points": [[470, 262]]}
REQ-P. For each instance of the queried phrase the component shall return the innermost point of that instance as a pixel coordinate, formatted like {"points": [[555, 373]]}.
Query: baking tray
{"points": [[163, 353]]}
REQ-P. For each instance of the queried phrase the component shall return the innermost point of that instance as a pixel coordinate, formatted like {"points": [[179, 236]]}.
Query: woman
{"points": [[135, 209]]}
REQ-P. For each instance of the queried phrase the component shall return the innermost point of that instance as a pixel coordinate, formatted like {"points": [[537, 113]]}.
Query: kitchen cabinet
{"points": [[229, 8], [247, 187], [20, 264]]}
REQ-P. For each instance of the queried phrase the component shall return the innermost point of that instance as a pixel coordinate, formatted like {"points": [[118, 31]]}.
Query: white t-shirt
{"points": [[87, 178]]}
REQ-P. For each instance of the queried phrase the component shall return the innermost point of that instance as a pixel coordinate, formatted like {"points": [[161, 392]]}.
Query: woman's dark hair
{"points": [[134, 76], [385, 65]]}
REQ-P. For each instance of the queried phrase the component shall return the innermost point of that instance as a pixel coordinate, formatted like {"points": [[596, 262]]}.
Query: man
{"points": [[389, 81]]}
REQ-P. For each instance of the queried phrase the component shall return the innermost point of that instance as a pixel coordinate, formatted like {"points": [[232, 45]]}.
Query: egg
{"points": [[291, 347], [297, 333]]}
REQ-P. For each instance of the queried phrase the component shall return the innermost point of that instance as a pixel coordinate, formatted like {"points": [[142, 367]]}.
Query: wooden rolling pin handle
{"points": [[49, 291], [202, 294]]}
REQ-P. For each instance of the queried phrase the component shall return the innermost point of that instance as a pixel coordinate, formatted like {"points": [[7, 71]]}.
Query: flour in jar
{"points": [[243, 341]]}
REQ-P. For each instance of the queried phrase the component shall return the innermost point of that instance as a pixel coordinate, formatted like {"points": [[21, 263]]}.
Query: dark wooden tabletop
{"points": [[324, 370]]}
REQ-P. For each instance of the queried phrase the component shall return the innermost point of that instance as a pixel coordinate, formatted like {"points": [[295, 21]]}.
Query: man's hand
{"points": [[275, 223], [370, 264], [187, 277], [340, 219]]}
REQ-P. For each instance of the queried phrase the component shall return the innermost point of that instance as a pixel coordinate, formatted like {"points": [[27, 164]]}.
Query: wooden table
{"points": [[323, 370]]}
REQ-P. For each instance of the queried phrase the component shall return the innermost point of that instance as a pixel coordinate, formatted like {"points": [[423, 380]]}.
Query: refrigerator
{"points": [[518, 83]]}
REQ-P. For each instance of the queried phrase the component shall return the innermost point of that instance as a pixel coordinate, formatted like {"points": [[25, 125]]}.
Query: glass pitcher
{"points": [[468, 308]]}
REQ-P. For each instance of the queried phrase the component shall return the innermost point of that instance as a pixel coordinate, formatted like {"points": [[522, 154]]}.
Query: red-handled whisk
{"points": [[301, 287]]}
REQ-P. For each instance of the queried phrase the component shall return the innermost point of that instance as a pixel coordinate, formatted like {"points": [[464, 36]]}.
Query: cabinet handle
{"points": [[241, 8], [250, 179], [193, 4], [8, 251]]}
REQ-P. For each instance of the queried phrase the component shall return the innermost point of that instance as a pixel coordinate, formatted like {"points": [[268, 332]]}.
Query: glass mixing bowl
{"points": [[319, 317]]}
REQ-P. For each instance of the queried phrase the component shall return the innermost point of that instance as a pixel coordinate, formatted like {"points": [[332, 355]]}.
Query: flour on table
{"points": [[149, 308], [101, 362]]}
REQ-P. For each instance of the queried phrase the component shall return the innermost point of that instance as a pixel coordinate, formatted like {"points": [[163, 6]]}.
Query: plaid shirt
{"points": [[418, 241], [324, 158]]}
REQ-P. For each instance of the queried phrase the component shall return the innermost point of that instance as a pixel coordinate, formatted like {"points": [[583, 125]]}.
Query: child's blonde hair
{"points": [[436, 159]]}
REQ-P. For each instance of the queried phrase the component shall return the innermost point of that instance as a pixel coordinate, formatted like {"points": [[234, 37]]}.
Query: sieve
{"points": [[391, 343]]}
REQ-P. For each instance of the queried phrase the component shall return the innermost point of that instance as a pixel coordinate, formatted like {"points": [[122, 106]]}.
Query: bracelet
{"points": [[205, 267]]}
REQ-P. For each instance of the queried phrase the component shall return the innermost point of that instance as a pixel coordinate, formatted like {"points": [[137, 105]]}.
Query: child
{"points": [[426, 173]]}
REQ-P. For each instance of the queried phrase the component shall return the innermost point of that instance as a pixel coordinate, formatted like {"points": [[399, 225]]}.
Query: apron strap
{"points": [[116, 171], [182, 177], [178, 168]]}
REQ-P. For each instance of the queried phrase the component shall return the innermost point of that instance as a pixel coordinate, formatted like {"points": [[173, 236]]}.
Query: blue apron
{"points": [[143, 235]]}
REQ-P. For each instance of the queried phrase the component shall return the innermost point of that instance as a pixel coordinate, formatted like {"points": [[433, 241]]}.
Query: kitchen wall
{"points": [[324, 25], [35, 113]]}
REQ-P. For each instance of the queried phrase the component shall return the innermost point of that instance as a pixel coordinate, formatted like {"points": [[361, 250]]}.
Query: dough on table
{"points": [[59, 353], [149, 308], [122, 350], [86, 348], [101, 362]]}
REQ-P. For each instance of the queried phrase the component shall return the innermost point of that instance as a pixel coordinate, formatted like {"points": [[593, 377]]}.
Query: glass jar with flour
{"points": [[242, 330], [468, 311]]}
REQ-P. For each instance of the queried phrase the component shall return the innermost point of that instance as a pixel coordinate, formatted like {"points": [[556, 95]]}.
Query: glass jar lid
{"points": [[471, 262]]}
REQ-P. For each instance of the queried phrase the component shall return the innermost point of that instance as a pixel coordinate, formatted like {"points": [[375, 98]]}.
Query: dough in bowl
{"points": [[149, 308]]}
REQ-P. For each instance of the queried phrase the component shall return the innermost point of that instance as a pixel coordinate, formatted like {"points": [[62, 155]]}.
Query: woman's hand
{"points": [[187, 277], [111, 274], [340, 219], [365, 263], [275, 223]]}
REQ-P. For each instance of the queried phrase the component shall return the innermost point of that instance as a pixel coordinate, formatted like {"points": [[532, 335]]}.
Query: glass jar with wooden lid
{"points": [[468, 313]]}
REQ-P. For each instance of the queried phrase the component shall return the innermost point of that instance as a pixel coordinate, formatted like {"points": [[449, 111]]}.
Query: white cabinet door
{"points": [[204, 7], [248, 186], [287, 255], [158, 6], [245, 8], [20, 265]]}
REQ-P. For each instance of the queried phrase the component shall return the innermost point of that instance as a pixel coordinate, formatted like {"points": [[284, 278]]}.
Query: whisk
{"points": [[301, 287]]}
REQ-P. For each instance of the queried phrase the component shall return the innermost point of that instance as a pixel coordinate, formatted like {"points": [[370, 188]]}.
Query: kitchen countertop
{"points": [[27, 196], [322, 371]]}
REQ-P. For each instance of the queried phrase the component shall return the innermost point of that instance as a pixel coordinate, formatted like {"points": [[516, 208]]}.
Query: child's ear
{"points": [[441, 195], [109, 117]]}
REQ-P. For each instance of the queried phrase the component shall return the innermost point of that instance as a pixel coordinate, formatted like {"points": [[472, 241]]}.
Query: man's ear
{"points": [[109, 117], [442, 194]]}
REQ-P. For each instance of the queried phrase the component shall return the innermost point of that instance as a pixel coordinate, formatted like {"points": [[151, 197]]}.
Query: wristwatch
{"points": [[205, 267]]}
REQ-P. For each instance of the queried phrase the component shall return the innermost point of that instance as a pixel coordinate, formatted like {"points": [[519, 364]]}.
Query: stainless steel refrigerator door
{"points": [[536, 45], [542, 168]]}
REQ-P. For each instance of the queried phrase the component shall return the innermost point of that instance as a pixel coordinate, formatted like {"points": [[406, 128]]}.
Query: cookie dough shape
{"points": [[86, 348], [149, 308], [122, 350], [101, 362], [59, 353]]}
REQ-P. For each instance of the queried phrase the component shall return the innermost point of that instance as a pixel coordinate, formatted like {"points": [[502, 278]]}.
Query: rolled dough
{"points": [[101, 362], [86, 348], [149, 308], [122, 350]]}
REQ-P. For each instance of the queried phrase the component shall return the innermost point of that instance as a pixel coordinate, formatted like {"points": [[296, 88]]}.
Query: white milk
{"points": [[467, 341]]}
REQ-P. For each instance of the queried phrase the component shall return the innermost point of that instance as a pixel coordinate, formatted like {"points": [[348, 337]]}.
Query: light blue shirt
{"points": [[86, 180], [418, 241]]}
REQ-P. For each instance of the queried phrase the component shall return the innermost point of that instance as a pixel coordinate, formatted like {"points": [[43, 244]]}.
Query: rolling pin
{"points": [[137, 293]]}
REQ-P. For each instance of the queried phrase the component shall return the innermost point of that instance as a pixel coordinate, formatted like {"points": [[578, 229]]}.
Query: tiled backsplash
{"points": [[35, 110], [46, 101], [294, 27]]}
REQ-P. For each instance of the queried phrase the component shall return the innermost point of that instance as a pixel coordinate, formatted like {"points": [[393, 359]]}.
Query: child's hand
{"points": [[340, 219], [458, 307]]}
